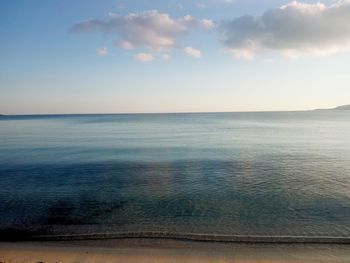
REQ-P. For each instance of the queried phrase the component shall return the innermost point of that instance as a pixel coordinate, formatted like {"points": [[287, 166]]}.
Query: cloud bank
{"points": [[155, 31], [294, 30]]}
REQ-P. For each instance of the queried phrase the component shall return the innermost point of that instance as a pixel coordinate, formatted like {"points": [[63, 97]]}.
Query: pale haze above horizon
{"points": [[114, 56]]}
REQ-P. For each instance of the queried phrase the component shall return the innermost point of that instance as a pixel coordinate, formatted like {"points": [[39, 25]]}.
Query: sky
{"points": [[115, 56]]}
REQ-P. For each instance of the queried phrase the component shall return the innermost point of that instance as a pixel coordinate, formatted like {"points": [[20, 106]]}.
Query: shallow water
{"points": [[273, 173]]}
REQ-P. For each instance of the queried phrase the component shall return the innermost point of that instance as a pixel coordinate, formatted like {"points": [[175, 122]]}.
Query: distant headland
{"points": [[343, 107]]}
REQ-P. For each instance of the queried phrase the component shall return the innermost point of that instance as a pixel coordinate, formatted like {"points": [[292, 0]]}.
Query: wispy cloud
{"points": [[102, 51], [193, 52], [155, 31], [294, 30], [144, 57], [125, 44]]}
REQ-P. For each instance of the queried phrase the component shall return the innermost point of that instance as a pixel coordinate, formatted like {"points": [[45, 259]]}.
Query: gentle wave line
{"points": [[196, 237]]}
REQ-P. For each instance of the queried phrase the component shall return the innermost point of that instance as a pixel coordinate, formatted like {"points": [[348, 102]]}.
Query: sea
{"points": [[256, 174]]}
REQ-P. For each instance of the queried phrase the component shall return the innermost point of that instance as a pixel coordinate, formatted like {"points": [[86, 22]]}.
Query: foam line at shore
{"points": [[194, 237]]}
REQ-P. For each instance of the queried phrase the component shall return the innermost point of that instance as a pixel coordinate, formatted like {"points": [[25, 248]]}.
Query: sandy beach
{"points": [[169, 251]]}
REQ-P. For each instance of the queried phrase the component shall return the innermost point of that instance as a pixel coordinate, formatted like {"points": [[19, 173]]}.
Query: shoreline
{"points": [[184, 237], [146, 250]]}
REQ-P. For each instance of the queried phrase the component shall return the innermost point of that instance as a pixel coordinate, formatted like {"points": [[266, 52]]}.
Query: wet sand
{"points": [[168, 251]]}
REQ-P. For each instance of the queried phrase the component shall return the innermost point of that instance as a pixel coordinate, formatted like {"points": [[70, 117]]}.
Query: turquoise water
{"points": [[273, 173]]}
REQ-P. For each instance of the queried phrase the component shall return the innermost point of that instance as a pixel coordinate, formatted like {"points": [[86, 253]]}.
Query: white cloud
{"points": [[190, 21], [207, 23], [155, 31], [306, 8], [293, 30], [102, 51], [144, 57], [193, 52]]}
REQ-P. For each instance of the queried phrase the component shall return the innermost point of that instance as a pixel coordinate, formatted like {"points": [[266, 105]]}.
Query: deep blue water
{"points": [[276, 173]]}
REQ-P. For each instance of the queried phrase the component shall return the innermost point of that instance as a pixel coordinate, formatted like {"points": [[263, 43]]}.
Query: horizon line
{"points": [[170, 112]]}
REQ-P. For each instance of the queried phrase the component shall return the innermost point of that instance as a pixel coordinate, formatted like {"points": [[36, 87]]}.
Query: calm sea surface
{"points": [[276, 173]]}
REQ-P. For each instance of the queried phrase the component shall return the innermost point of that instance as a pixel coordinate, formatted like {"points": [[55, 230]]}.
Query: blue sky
{"points": [[96, 56]]}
